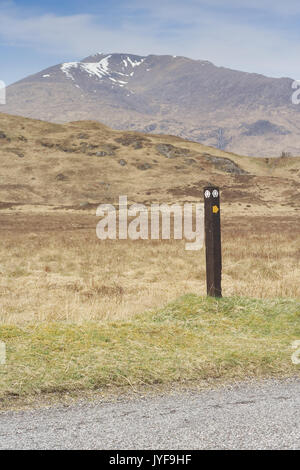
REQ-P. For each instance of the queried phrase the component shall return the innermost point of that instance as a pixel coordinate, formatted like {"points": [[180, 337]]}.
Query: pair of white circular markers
{"points": [[215, 193]]}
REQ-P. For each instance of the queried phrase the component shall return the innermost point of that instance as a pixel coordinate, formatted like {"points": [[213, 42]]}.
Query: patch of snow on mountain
{"points": [[65, 68], [100, 69], [104, 63], [135, 63], [97, 68]]}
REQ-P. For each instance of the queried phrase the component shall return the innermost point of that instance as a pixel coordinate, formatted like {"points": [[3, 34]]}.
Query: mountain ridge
{"points": [[247, 113]]}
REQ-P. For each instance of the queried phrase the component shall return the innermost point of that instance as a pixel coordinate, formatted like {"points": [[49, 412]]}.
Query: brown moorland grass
{"points": [[45, 164], [71, 276]]}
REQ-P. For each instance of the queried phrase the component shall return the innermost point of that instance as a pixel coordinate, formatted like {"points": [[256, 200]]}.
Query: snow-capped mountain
{"points": [[237, 111], [105, 68], [113, 70]]}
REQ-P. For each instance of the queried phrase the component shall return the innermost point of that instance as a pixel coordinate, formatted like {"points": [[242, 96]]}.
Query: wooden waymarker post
{"points": [[213, 241]]}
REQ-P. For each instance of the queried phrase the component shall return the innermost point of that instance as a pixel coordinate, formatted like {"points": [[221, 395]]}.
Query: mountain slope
{"points": [[247, 113], [82, 164]]}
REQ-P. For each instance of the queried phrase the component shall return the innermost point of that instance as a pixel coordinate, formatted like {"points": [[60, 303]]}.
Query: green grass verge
{"points": [[191, 339]]}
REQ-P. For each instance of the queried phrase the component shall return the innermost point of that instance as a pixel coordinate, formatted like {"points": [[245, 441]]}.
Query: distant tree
{"points": [[222, 142], [285, 154]]}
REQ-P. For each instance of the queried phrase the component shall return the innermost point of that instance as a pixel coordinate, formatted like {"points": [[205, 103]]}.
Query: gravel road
{"points": [[248, 416]]}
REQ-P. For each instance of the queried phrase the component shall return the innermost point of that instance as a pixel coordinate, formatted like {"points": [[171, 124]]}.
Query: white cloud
{"points": [[185, 8], [287, 8]]}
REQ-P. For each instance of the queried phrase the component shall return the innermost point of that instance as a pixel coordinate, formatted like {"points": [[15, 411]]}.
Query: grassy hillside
{"points": [[83, 163]]}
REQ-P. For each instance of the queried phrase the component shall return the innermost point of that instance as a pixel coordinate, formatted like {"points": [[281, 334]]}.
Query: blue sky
{"points": [[251, 35]]}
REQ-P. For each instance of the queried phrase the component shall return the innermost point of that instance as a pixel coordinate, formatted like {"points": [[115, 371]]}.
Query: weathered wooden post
{"points": [[213, 241]]}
